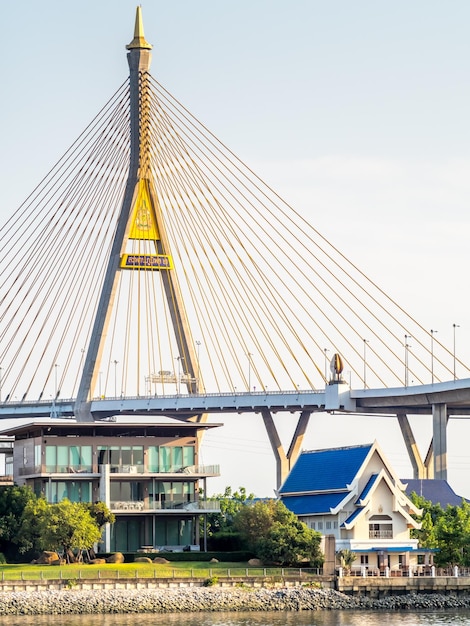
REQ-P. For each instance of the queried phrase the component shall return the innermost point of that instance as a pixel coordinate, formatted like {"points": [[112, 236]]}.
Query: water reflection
{"points": [[304, 618]]}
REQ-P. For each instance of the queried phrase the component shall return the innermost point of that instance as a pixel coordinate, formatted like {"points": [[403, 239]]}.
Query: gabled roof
{"points": [[325, 470], [366, 490], [434, 490], [314, 505]]}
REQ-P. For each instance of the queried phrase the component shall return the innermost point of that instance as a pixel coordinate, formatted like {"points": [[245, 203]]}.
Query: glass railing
{"points": [[142, 505], [196, 470]]}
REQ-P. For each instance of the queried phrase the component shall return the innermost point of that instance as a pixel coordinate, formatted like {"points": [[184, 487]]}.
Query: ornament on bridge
{"points": [[336, 367]]}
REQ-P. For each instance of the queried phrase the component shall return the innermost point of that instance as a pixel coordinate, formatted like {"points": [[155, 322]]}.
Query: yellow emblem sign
{"points": [[143, 224]]}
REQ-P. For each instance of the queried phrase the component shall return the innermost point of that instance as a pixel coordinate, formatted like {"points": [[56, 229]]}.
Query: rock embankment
{"points": [[201, 599]]}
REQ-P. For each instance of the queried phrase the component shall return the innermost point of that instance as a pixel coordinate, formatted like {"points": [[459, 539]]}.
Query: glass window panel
{"points": [[114, 455], [74, 456], [86, 492], [136, 491], [114, 491], [137, 455], [188, 455], [51, 455], [62, 455], [177, 458], [126, 455], [37, 455], [73, 491], [165, 459], [61, 491], [172, 532], [153, 459], [86, 455], [185, 532], [103, 455], [126, 491]]}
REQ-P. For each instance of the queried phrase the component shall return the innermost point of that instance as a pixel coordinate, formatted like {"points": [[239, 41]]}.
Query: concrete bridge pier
{"points": [[439, 440], [284, 462], [435, 462]]}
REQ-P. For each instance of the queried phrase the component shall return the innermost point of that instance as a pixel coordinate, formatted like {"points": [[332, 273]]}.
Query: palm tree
{"points": [[347, 558]]}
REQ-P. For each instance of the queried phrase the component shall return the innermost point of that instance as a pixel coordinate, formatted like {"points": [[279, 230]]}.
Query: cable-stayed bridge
{"points": [[151, 272]]}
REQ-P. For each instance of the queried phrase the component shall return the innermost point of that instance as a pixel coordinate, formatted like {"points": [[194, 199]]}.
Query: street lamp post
{"points": [[179, 359], [115, 377], [249, 355], [55, 381], [198, 344], [325, 350], [407, 345], [454, 326], [366, 341], [433, 332]]}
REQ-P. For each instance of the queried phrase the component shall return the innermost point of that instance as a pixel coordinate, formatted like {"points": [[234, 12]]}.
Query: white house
{"points": [[353, 494]]}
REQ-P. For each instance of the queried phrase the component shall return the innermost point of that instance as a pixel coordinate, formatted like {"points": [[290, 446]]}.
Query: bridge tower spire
{"points": [[139, 196]]}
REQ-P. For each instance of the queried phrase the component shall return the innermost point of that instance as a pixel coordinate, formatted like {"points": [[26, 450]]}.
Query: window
{"points": [[328, 525], [75, 491], [320, 526], [67, 458], [364, 559], [312, 525], [121, 458]]}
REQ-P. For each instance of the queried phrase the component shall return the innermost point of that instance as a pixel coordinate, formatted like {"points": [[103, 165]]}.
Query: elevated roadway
{"points": [[440, 400]]}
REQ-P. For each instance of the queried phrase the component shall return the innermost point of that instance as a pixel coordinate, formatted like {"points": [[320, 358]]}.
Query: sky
{"points": [[356, 113]]}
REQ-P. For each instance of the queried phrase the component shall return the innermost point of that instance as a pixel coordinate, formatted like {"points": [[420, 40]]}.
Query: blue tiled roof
{"points": [[353, 516], [435, 490], [367, 488], [325, 470], [309, 505]]}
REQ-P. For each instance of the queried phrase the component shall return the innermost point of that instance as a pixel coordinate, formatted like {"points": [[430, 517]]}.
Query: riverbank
{"points": [[75, 602]]}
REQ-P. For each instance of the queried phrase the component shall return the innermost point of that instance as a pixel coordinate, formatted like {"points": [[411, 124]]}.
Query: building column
{"points": [[105, 497], [439, 438]]}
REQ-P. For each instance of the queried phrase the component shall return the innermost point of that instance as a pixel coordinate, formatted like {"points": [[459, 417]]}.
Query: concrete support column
{"points": [[282, 465], [284, 461], [439, 438], [419, 471]]}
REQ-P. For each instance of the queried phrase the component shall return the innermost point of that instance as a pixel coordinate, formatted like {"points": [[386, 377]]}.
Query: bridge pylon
{"points": [[141, 220]]}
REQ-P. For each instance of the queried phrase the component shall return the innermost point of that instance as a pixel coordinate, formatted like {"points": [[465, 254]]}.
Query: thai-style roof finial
{"points": [[139, 40]]}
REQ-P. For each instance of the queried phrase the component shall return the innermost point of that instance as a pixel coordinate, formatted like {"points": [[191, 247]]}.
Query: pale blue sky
{"points": [[355, 112]]}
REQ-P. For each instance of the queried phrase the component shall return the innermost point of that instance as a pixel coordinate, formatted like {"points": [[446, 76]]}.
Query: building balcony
{"points": [[37, 470], [380, 534], [196, 507], [196, 471]]}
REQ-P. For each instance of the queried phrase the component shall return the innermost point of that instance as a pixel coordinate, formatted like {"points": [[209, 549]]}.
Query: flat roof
{"points": [[70, 427]]}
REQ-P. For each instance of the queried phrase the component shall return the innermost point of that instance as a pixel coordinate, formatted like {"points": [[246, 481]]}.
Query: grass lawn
{"points": [[177, 569]]}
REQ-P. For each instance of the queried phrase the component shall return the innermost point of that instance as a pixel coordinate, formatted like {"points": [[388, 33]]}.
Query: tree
{"points": [[275, 534], [66, 526], [100, 513], [13, 501], [219, 526], [446, 530], [429, 520]]}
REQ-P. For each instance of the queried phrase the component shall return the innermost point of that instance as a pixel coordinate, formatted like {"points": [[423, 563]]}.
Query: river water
{"points": [[303, 618]]}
